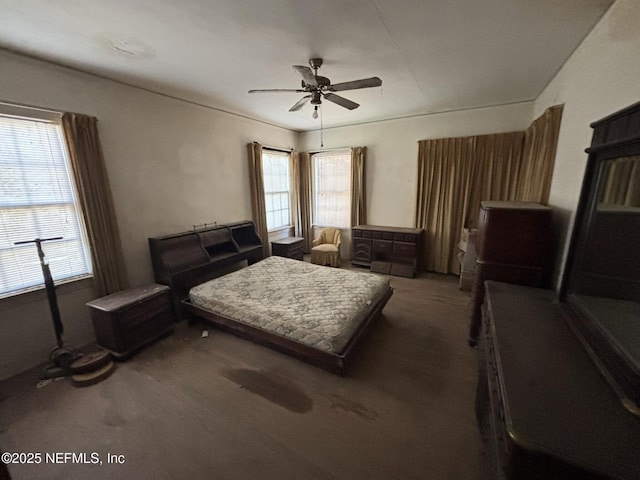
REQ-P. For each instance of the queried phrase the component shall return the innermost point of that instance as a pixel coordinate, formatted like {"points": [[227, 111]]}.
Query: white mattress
{"points": [[318, 306]]}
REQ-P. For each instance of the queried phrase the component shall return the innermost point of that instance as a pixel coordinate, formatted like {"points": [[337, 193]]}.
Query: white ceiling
{"points": [[432, 55]]}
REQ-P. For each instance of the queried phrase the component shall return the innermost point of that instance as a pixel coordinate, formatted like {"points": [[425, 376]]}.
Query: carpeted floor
{"points": [[223, 408]]}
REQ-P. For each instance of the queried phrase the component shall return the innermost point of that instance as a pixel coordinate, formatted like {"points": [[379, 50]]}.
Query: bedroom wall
{"points": [[171, 165], [392, 153], [602, 76]]}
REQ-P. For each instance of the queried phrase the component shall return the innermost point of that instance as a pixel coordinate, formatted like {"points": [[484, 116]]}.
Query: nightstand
{"points": [[290, 247], [127, 320]]}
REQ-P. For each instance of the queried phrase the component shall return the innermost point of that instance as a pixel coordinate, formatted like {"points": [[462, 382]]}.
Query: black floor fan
{"points": [[61, 356]]}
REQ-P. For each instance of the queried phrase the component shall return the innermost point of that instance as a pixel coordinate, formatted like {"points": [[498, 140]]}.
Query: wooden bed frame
{"points": [[187, 259], [333, 362]]}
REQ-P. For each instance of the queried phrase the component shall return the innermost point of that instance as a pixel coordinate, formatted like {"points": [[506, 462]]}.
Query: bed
{"points": [[314, 313]]}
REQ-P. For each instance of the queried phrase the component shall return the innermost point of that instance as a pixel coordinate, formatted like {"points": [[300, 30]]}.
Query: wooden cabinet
{"points": [[513, 246], [127, 320], [544, 409], [390, 250], [290, 247]]}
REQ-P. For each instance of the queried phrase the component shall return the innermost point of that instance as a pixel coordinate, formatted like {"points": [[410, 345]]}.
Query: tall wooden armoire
{"points": [[513, 246]]}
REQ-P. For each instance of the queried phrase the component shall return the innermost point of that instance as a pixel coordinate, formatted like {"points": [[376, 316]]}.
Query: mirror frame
{"points": [[615, 136]]}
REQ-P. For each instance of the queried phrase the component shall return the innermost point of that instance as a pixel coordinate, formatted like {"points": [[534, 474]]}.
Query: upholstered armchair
{"points": [[326, 248]]}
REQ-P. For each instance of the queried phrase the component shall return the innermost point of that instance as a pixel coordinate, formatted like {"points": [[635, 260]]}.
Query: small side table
{"points": [[290, 247], [125, 321]]}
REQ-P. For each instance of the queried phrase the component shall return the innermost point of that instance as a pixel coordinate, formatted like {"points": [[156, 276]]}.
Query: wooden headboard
{"points": [[184, 260]]}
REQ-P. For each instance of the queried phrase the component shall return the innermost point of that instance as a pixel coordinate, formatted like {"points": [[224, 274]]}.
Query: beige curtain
{"points": [[358, 190], [94, 196], [496, 166], [540, 143], [456, 174], [295, 193], [302, 202], [258, 207], [444, 181]]}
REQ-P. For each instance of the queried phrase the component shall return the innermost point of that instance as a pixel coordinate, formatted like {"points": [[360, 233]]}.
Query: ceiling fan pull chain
{"points": [[321, 130]]}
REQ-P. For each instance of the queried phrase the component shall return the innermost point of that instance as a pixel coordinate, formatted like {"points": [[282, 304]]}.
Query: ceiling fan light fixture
{"points": [[317, 87]]}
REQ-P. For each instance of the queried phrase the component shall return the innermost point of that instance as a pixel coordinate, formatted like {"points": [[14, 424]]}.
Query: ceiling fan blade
{"points": [[300, 103], [277, 90], [307, 75], [354, 84], [343, 102]]}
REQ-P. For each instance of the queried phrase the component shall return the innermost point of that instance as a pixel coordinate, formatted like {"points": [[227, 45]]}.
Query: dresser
{"points": [[290, 247], [390, 250], [544, 409], [512, 245], [127, 320]]}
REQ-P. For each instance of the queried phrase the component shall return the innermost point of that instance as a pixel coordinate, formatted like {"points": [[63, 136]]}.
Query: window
{"points": [[276, 172], [332, 189], [37, 200]]}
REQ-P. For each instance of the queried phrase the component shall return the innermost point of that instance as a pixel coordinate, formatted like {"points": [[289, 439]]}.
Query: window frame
{"points": [[21, 112], [314, 186], [279, 153]]}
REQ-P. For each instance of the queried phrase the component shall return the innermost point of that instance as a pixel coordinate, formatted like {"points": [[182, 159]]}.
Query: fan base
{"points": [[315, 62]]}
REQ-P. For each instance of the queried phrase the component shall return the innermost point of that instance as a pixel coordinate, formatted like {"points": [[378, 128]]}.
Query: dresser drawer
{"points": [[402, 269], [404, 248], [361, 251], [405, 237], [378, 266], [382, 247]]}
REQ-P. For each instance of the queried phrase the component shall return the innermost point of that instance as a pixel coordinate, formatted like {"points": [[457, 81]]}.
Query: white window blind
{"points": [[37, 201], [277, 189], [332, 189]]}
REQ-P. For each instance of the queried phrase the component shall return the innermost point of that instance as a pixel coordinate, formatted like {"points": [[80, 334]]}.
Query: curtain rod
{"points": [[28, 111], [25, 106], [277, 149], [330, 150]]}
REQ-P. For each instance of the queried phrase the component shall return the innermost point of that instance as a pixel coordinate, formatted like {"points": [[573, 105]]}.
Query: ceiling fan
{"points": [[317, 87]]}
